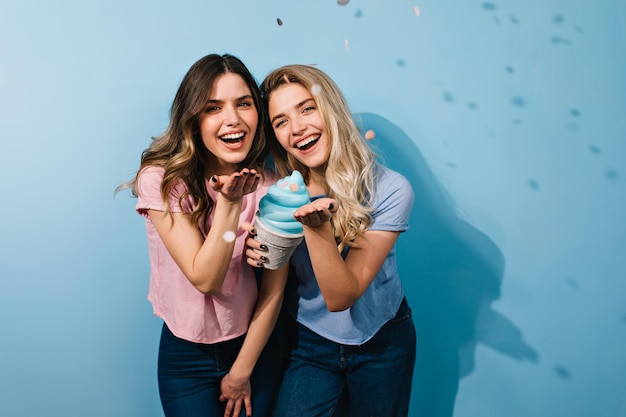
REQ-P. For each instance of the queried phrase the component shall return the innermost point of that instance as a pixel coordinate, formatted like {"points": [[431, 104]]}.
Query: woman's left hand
{"points": [[317, 212], [253, 247], [236, 393]]}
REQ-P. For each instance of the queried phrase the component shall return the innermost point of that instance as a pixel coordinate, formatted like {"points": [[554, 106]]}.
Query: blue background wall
{"points": [[508, 117]]}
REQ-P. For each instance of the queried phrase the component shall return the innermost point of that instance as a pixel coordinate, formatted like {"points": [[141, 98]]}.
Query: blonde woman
{"points": [[353, 348], [196, 184]]}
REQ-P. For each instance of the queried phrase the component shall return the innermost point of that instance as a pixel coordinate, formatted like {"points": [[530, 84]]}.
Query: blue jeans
{"points": [[324, 378], [190, 375]]}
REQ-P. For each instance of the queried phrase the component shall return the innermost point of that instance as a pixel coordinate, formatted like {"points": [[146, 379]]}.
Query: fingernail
{"points": [[259, 264], [245, 173], [214, 178], [253, 231], [264, 247], [264, 258], [330, 206]]}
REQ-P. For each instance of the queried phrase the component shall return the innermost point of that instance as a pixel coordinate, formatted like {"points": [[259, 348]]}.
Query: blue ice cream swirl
{"points": [[276, 208]]}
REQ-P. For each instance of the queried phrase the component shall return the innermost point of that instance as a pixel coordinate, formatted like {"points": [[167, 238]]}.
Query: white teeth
{"points": [[306, 141], [233, 136]]}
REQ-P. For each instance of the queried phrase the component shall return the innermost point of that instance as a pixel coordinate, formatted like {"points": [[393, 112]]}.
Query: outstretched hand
{"points": [[237, 184], [316, 213], [313, 214]]}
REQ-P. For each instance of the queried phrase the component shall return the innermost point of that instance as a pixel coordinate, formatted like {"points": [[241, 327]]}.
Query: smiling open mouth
{"points": [[307, 143], [232, 138]]}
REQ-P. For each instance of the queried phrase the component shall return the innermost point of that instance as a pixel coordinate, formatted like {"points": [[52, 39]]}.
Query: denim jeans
{"points": [[325, 379], [190, 375]]}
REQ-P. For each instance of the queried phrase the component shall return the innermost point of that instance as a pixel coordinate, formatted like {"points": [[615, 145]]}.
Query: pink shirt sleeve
{"points": [[149, 193]]}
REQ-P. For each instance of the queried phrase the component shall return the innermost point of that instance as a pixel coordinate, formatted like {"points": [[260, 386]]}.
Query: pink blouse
{"points": [[190, 314]]}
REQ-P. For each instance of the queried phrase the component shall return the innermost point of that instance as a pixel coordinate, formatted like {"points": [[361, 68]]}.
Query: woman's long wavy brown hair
{"points": [[180, 150]]}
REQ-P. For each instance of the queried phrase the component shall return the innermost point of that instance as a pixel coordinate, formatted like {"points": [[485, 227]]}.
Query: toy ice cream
{"points": [[274, 222]]}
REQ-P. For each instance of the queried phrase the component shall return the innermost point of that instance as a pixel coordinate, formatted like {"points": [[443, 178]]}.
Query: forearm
{"points": [[338, 284], [214, 257], [262, 323], [203, 259]]}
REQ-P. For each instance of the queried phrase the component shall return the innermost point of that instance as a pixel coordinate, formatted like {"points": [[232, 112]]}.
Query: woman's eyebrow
{"points": [[244, 97], [297, 106]]}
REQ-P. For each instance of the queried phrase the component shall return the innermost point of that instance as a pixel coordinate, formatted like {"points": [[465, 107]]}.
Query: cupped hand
{"points": [[236, 393], [237, 184], [317, 212]]}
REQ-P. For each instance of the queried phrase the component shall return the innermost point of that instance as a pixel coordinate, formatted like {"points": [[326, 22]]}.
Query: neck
{"points": [[316, 183], [218, 167]]}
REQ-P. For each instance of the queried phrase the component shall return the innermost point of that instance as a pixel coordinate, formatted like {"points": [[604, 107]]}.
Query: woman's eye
{"points": [[212, 109], [245, 104], [308, 109], [279, 123]]}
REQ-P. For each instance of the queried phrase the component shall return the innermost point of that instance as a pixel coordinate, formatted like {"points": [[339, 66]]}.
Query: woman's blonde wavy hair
{"points": [[180, 150], [350, 168]]}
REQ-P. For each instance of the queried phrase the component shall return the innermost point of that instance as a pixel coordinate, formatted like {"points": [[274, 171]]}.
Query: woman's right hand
{"points": [[237, 184]]}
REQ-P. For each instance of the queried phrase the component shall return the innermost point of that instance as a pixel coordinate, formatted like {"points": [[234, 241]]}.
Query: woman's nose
{"points": [[297, 127], [231, 117]]}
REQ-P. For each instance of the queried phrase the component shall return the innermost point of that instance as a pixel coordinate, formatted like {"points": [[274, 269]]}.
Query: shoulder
{"points": [[149, 177], [389, 181], [151, 172], [392, 202], [149, 182]]}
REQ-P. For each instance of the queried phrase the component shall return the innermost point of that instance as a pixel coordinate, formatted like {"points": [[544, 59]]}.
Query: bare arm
{"points": [[341, 281], [236, 384], [205, 261]]}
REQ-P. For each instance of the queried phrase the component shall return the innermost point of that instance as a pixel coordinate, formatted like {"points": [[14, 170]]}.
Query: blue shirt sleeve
{"points": [[393, 201]]}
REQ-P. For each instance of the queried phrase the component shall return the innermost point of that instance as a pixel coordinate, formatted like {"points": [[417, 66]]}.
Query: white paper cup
{"points": [[280, 246]]}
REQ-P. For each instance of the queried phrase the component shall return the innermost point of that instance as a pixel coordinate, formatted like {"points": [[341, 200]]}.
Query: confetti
{"points": [[417, 11], [562, 372], [370, 134], [448, 97], [316, 89], [557, 39], [343, 2], [518, 101], [229, 236], [280, 22], [345, 44], [594, 149], [611, 174]]}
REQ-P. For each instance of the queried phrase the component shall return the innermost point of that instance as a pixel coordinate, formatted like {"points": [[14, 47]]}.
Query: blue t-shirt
{"points": [[392, 203]]}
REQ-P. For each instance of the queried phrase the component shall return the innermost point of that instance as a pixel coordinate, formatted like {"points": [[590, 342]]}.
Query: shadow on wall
{"points": [[451, 274]]}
